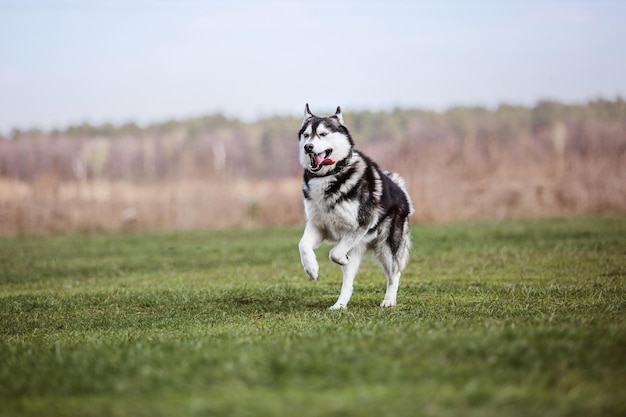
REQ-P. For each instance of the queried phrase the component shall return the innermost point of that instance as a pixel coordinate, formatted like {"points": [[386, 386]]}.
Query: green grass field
{"points": [[515, 318]]}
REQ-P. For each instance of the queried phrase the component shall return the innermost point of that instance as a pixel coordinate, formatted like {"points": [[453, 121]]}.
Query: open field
{"points": [[513, 318]]}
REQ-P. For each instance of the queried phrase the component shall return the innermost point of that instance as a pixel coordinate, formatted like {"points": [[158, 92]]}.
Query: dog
{"points": [[350, 201]]}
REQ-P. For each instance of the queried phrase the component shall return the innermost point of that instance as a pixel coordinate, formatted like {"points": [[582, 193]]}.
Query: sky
{"points": [[65, 62]]}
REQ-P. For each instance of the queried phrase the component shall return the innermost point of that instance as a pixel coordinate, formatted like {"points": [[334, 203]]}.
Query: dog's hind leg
{"points": [[349, 272], [393, 281], [393, 259], [392, 271]]}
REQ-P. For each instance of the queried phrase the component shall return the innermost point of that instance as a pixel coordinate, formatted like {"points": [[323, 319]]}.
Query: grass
{"points": [[512, 318]]}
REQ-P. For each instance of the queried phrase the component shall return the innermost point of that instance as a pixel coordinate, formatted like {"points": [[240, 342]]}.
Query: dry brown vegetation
{"points": [[210, 172]]}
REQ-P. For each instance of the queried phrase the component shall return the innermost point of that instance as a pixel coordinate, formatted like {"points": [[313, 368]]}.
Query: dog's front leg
{"points": [[340, 253], [311, 239]]}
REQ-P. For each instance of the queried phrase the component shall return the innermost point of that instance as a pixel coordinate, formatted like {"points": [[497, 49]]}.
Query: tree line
{"points": [[216, 145]]}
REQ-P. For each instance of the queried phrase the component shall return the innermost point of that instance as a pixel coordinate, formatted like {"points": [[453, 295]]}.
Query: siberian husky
{"points": [[348, 200]]}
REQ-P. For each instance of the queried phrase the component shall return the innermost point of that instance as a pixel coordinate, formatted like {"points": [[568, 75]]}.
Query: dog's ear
{"points": [[338, 115], [307, 112]]}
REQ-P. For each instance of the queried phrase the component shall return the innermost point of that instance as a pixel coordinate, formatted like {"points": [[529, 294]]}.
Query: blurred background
{"points": [[148, 115]]}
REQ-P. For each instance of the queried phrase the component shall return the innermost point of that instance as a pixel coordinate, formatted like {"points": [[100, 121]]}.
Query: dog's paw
{"points": [[338, 306], [388, 303], [312, 270], [341, 259]]}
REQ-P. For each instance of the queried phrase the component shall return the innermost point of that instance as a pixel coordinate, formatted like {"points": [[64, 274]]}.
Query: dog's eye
{"points": [[306, 135], [322, 134]]}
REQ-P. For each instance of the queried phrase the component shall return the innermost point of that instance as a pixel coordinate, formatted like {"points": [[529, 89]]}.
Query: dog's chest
{"points": [[325, 211]]}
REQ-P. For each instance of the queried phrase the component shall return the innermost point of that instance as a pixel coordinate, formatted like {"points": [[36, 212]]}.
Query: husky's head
{"points": [[323, 142]]}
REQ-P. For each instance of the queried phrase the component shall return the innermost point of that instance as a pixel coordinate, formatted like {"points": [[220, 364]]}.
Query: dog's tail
{"points": [[400, 228], [395, 177]]}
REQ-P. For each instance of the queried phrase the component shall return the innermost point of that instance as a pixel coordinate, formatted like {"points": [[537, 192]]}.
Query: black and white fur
{"points": [[350, 201]]}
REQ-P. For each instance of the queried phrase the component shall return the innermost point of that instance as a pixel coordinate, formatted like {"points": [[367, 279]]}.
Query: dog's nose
{"points": [[308, 147]]}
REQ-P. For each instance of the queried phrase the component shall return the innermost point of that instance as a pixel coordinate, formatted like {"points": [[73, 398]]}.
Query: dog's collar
{"points": [[339, 166]]}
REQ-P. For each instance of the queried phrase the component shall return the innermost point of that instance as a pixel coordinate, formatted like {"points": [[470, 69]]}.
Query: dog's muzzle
{"points": [[318, 160]]}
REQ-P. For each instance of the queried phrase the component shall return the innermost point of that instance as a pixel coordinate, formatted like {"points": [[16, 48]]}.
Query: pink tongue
{"points": [[320, 160]]}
